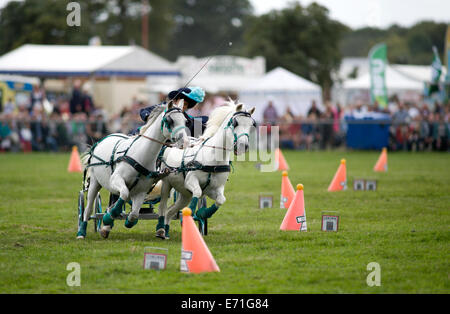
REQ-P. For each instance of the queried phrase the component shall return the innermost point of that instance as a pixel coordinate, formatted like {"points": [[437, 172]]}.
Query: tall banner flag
{"points": [[447, 61], [447, 52], [436, 70], [378, 64]]}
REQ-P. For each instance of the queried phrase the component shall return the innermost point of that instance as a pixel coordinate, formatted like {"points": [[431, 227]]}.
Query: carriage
{"points": [[193, 170], [147, 211]]}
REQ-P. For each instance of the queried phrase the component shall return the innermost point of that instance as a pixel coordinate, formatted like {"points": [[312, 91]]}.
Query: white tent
{"points": [[150, 72], [395, 80], [285, 89], [406, 81], [61, 61], [221, 73]]}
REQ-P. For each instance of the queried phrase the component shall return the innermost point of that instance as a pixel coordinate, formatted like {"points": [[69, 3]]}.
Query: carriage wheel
{"points": [[97, 210], [80, 208]]}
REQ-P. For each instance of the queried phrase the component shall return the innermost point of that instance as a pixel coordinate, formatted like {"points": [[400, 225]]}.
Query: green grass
{"points": [[403, 226]]}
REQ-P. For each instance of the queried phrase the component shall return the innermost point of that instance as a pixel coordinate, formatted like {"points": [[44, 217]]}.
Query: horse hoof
{"points": [[161, 233], [80, 237], [104, 233]]}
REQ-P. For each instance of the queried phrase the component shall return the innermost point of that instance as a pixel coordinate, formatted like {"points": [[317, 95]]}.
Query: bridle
{"points": [[167, 121], [232, 124]]}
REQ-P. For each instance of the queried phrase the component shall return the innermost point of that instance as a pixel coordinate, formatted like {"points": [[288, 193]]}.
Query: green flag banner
{"points": [[436, 67], [378, 64], [447, 52], [436, 71]]}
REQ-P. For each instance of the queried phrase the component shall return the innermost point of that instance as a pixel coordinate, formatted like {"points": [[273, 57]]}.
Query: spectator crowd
{"points": [[412, 127], [68, 120]]}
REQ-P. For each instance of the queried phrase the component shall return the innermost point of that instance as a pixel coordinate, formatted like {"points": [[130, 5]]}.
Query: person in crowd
{"points": [[96, 127], [9, 107], [76, 100], [327, 127], [314, 110], [5, 134], [270, 114], [87, 104], [37, 96]]}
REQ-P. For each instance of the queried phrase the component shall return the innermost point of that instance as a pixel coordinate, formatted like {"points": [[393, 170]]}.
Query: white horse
{"points": [[204, 168], [127, 165]]}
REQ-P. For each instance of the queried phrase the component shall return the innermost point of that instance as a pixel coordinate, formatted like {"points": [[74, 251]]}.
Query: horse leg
{"points": [[181, 202], [165, 192], [193, 185], [94, 187], [118, 183], [133, 218], [204, 213]]}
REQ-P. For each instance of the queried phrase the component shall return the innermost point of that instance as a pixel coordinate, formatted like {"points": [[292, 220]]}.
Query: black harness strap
{"points": [[138, 167], [215, 169]]}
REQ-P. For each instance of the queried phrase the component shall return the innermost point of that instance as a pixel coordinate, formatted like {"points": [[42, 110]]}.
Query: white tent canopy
{"points": [[398, 77], [394, 81], [285, 89], [57, 61], [405, 81]]}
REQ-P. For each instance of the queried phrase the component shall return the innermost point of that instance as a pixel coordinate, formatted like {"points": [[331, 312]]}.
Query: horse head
{"points": [[242, 124], [173, 124]]}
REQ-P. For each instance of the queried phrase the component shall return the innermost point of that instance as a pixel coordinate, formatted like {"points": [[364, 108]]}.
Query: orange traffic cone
{"points": [[287, 191], [339, 182], [295, 218], [75, 162], [195, 255], [281, 162], [381, 164]]}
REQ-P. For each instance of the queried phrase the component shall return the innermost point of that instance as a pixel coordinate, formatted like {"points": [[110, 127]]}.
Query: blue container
{"points": [[369, 131]]}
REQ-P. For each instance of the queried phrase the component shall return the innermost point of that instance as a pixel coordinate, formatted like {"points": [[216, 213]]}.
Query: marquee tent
{"points": [[83, 61], [406, 81], [285, 89]]}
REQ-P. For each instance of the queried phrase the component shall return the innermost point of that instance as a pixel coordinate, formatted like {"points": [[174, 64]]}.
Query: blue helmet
{"points": [[196, 93], [192, 95]]}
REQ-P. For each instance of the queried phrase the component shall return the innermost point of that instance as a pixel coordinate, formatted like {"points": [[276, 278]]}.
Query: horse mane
{"points": [[152, 117], [217, 118]]}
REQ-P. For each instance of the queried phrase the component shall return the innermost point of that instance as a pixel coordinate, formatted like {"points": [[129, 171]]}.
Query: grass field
{"points": [[403, 226]]}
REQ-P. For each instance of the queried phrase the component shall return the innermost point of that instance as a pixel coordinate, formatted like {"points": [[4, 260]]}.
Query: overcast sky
{"points": [[360, 13], [379, 13]]}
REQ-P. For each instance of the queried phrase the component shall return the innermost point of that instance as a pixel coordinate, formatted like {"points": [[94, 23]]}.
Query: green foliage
{"points": [[405, 45], [115, 22], [302, 39], [204, 27]]}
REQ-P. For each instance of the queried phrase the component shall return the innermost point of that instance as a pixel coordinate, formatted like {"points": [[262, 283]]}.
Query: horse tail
{"points": [[85, 159]]}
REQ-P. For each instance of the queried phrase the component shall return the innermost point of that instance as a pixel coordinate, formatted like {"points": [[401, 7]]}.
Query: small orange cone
{"points": [[195, 255], [382, 164], [295, 218], [281, 162], [287, 191], [339, 182], [75, 162]]}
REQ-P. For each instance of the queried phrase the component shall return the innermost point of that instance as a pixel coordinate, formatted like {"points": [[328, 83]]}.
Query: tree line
{"points": [[303, 39]]}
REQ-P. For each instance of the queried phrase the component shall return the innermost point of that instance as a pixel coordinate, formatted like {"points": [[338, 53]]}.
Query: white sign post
{"points": [[155, 258]]}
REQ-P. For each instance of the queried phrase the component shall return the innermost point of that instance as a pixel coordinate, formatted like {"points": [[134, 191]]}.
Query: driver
{"points": [[191, 96]]}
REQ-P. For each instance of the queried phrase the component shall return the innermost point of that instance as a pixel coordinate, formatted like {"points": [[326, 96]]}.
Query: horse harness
{"points": [[195, 165], [141, 170]]}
